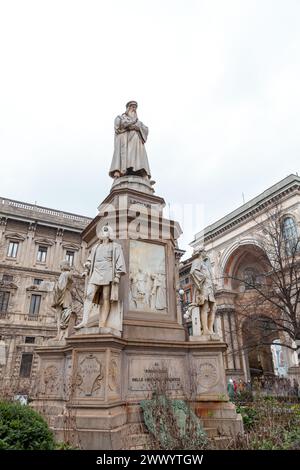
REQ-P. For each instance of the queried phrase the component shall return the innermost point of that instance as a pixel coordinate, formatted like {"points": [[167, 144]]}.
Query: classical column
{"points": [[57, 248], [3, 223], [28, 247], [230, 334]]}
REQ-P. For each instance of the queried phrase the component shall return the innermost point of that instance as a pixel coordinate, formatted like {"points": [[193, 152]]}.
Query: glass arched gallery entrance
{"points": [[263, 352]]}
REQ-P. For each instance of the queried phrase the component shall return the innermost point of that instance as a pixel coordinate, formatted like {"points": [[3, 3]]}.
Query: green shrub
{"points": [[269, 425], [249, 415], [65, 446], [22, 428], [292, 439], [173, 424]]}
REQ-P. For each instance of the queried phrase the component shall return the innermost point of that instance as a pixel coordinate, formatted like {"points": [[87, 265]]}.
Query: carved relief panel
{"points": [[89, 379], [208, 375], [147, 277], [51, 379], [114, 371]]}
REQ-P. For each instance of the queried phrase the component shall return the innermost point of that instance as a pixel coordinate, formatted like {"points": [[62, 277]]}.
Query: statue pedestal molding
{"points": [[201, 338], [294, 374]]}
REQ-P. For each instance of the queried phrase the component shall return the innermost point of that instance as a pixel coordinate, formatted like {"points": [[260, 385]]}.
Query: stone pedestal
{"points": [[90, 388], [294, 374]]}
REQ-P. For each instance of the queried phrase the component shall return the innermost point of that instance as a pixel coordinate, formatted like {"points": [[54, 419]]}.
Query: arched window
{"points": [[290, 234], [250, 278]]}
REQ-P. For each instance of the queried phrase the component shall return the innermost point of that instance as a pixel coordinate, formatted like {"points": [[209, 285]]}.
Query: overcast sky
{"points": [[217, 82]]}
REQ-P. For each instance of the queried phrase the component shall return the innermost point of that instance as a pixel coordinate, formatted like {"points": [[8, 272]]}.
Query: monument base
{"points": [[90, 389], [205, 338], [294, 374]]}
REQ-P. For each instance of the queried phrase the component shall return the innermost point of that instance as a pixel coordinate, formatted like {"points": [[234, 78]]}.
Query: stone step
{"points": [[211, 432], [142, 439], [219, 442], [139, 441]]}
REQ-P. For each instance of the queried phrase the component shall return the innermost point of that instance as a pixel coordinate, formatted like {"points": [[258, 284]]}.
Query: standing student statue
{"points": [[204, 292], [104, 266], [63, 301]]}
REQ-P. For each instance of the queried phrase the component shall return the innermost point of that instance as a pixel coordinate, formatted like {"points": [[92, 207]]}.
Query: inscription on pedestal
{"points": [[148, 374]]}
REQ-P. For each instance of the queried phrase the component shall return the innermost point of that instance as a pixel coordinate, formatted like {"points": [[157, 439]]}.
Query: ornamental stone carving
{"points": [[207, 375], [50, 380], [89, 376], [113, 376]]}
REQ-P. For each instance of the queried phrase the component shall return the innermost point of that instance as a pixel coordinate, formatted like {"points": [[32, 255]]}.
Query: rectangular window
{"points": [[187, 280], [70, 257], [29, 339], [188, 295], [12, 249], [26, 364], [42, 254], [37, 282], [7, 278], [35, 303], [4, 299]]}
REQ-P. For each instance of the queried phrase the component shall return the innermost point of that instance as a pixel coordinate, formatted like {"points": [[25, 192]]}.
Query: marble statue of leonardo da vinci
{"points": [[130, 157]]}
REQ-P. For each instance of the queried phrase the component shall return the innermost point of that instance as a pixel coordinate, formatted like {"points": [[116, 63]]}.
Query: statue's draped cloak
{"points": [[106, 262], [63, 298], [62, 291], [202, 278], [129, 150]]}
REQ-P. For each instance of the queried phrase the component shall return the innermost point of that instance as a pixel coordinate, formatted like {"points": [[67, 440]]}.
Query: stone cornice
{"points": [[33, 271], [44, 241], [11, 267], [107, 340], [27, 212], [14, 236], [70, 246], [37, 289], [277, 192], [8, 285], [14, 329]]}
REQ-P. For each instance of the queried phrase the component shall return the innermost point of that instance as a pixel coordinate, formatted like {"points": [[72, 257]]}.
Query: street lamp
{"points": [[184, 311]]}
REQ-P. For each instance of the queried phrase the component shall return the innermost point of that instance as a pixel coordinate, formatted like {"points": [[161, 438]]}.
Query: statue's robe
{"points": [[129, 151], [63, 297], [106, 262], [62, 291], [202, 278]]}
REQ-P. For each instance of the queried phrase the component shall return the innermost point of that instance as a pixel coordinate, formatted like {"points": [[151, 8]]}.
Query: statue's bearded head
{"points": [[105, 232], [201, 253], [131, 108]]}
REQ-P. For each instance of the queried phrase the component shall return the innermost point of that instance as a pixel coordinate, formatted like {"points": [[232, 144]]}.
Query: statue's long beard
{"points": [[132, 114]]}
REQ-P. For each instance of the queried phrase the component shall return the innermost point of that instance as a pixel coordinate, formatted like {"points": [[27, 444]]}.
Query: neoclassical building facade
{"points": [[233, 245], [33, 242]]}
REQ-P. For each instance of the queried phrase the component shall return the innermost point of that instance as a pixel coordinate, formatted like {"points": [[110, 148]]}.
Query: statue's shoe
{"points": [[80, 325]]}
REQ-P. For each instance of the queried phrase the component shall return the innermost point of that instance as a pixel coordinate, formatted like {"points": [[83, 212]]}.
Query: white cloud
{"points": [[217, 83]]}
